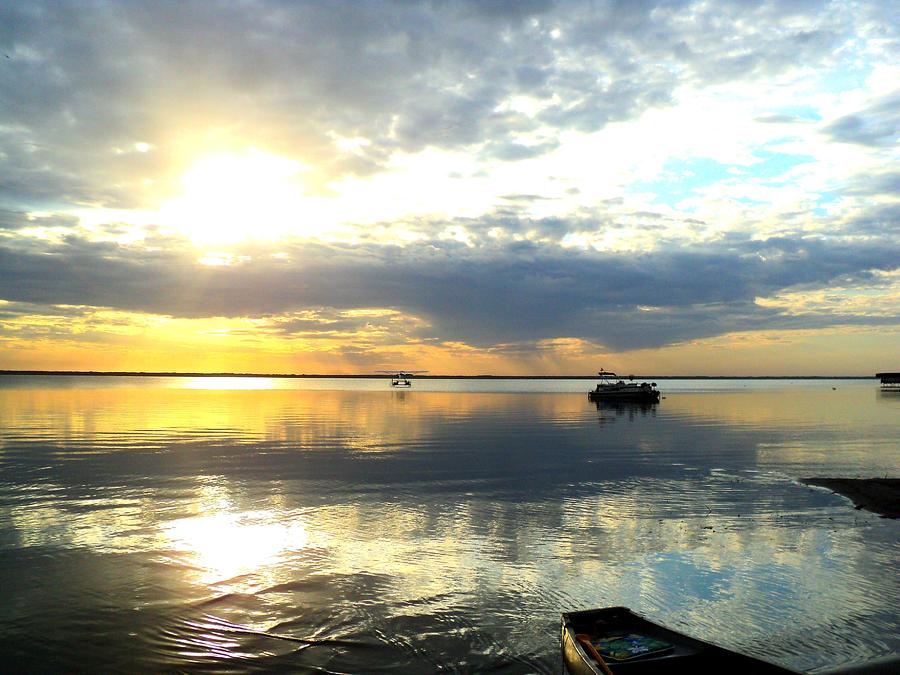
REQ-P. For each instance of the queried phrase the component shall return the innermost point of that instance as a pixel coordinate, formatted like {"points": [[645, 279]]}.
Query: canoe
{"points": [[628, 643]]}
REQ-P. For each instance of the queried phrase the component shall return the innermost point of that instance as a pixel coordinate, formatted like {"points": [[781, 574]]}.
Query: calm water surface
{"points": [[207, 525]]}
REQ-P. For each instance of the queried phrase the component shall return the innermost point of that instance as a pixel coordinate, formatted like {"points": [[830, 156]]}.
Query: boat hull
{"points": [[641, 396], [688, 655]]}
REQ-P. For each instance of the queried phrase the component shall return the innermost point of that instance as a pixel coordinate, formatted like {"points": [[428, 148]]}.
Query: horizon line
{"points": [[136, 373]]}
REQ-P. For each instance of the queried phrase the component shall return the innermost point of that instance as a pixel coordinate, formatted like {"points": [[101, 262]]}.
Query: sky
{"points": [[460, 186]]}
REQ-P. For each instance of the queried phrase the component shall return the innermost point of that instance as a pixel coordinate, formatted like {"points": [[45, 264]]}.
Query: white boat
{"points": [[401, 378], [612, 389]]}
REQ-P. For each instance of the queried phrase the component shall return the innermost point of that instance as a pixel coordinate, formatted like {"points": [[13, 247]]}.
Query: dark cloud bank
{"points": [[482, 296]]}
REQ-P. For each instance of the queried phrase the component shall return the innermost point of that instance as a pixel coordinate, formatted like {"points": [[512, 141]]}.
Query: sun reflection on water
{"points": [[227, 545], [245, 383]]}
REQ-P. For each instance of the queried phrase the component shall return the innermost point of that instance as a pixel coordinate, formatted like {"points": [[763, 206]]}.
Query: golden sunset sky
{"points": [[462, 187]]}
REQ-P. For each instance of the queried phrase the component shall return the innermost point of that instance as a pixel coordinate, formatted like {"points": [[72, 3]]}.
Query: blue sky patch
{"points": [[682, 179], [843, 79], [775, 164]]}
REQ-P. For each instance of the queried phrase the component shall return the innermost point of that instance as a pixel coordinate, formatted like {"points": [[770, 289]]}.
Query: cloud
{"points": [[484, 295], [88, 81], [887, 183], [782, 119], [879, 221], [516, 151], [876, 126]]}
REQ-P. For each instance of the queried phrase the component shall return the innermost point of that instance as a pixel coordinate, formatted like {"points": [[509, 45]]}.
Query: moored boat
{"points": [[890, 382], [616, 640], [401, 378], [608, 389]]}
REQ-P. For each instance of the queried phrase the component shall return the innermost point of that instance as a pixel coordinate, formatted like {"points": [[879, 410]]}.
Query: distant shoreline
{"points": [[125, 373]]}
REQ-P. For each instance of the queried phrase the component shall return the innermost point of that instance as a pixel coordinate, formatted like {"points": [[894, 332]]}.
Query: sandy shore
{"points": [[879, 495]]}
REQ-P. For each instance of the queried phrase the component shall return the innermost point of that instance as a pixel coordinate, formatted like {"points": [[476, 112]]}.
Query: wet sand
{"points": [[879, 495]]}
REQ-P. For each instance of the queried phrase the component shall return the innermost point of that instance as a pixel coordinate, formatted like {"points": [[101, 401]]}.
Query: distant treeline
{"points": [[125, 373]]}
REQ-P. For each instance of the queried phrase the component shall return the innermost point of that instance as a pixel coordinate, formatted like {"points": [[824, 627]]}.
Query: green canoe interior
{"points": [[686, 654]]}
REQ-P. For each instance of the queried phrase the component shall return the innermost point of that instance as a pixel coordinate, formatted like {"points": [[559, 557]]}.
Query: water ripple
{"points": [[441, 531]]}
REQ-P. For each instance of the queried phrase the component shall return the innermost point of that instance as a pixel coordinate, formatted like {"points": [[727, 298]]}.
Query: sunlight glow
{"points": [[230, 383], [225, 545], [220, 259], [231, 198]]}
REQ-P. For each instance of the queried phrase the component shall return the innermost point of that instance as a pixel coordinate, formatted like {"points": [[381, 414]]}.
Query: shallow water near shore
{"points": [[207, 524]]}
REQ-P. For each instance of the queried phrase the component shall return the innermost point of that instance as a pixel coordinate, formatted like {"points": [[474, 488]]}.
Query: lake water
{"points": [[154, 524]]}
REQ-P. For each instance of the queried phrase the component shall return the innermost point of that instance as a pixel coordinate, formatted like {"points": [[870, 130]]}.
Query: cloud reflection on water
{"points": [[444, 527]]}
